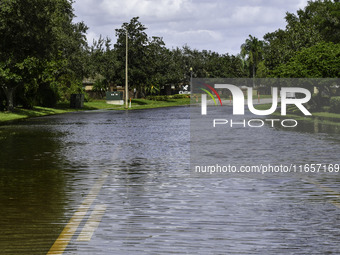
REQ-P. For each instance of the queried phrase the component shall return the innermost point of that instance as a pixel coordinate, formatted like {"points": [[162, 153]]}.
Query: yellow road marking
{"points": [[337, 204], [326, 189], [320, 186], [92, 223], [66, 235]]}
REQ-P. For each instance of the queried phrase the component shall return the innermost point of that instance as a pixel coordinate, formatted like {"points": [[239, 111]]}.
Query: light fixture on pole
{"points": [[190, 78]]}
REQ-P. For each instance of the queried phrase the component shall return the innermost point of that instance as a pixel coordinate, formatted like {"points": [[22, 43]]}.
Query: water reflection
{"points": [[32, 188], [318, 126]]}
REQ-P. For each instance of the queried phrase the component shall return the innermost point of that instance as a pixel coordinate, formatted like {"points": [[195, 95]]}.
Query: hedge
{"points": [[165, 98]]}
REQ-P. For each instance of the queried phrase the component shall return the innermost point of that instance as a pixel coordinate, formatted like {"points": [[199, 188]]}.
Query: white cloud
{"points": [[220, 25], [151, 9]]}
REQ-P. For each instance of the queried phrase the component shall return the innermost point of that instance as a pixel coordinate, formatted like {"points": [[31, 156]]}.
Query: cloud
{"points": [[153, 9], [220, 25]]}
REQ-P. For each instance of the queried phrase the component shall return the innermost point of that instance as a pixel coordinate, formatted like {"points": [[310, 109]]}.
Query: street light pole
{"points": [[190, 78], [126, 73]]}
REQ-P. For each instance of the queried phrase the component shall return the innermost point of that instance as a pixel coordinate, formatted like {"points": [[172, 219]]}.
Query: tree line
{"points": [[44, 55]]}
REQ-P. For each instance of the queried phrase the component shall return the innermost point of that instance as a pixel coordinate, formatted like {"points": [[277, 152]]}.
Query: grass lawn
{"points": [[262, 106], [37, 111], [138, 104]]}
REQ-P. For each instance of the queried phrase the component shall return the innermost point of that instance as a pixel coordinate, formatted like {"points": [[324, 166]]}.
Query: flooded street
{"points": [[116, 182]]}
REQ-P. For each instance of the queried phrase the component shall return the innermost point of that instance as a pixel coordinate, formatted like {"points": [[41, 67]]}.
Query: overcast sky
{"points": [[217, 25]]}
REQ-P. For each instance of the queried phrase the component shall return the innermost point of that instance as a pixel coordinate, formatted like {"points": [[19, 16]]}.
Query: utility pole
{"points": [[126, 73], [190, 78]]}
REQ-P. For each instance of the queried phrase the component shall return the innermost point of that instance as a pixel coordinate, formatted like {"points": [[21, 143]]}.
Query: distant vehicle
{"points": [[185, 89]]}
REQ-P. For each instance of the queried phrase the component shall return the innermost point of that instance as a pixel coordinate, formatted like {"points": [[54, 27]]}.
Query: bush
{"points": [[335, 105], [165, 98], [325, 108], [181, 96], [157, 98]]}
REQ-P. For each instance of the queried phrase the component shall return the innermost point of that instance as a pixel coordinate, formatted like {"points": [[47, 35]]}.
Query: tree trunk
{"points": [[9, 92], [254, 74]]}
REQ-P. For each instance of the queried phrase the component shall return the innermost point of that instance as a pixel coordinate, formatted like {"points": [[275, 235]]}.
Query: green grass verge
{"points": [[324, 117], [137, 104], [38, 111], [26, 113], [262, 106]]}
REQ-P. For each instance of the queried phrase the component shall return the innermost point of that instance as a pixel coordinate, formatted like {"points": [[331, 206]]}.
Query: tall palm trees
{"points": [[252, 49]]}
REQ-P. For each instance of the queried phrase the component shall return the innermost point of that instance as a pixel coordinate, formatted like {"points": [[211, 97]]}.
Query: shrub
{"points": [[165, 98], [157, 98], [325, 108], [181, 96], [335, 105]]}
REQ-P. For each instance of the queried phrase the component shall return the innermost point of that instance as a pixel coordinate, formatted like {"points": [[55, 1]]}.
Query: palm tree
{"points": [[252, 48]]}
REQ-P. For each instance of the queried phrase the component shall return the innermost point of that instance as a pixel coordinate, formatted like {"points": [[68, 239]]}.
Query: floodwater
{"points": [[130, 172]]}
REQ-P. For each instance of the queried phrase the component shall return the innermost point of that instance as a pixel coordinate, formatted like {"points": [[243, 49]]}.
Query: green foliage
{"points": [[36, 37], [317, 23], [44, 55], [69, 84], [158, 98], [335, 105], [180, 96], [151, 66], [252, 49], [166, 98], [100, 85], [103, 64], [137, 53], [320, 60]]}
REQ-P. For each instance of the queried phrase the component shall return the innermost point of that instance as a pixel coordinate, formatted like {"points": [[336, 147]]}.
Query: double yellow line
{"points": [[325, 189], [91, 225], [66, 235]]}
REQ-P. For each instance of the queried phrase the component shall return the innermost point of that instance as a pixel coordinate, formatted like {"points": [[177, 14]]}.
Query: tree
{"points": [[252, 49], [276, 49], [137, 53], [24, 39], [103, 64], [177, 72], [157, 66], [33, 34], [318, 22], [319, 61]]}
